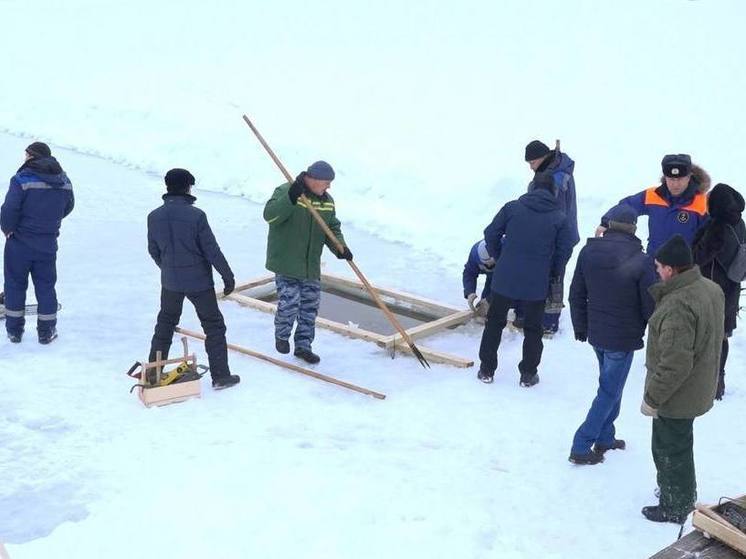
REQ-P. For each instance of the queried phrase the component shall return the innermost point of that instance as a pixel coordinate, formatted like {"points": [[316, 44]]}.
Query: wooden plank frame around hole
{"points": [[444, 316]]}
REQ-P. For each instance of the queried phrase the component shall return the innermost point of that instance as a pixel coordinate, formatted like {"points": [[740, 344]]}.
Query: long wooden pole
{"points": [[328, 232], [289, 366]]}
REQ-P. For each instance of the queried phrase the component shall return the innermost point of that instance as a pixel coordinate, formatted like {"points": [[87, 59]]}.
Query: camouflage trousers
{"points": [[298, 301]]}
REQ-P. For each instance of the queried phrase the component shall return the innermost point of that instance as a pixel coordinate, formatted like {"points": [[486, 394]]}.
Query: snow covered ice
{"points": [[424, 111]]}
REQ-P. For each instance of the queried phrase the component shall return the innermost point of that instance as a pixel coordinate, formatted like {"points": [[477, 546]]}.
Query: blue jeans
{"points": [[598, 426]]}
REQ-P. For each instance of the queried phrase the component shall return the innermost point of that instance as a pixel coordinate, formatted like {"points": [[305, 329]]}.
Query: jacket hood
{"points": [[725, 203], [539, 200], [613, 249], [46, 169], [564, 164], [699, 176]]}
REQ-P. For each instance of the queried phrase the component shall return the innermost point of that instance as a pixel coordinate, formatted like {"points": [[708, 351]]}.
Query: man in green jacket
{"points": [[294, 248], [683, 357]]}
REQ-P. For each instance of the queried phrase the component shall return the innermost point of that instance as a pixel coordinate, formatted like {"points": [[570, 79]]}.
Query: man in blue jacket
{"points": [[479, 262], [561, 167], [531, 242], [677, 206], [182, 245], [610, 306], [39, 197]]}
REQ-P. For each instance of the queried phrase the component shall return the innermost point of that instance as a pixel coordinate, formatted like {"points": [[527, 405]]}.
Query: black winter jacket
{"points": [[715, 246], [609, 299], [181, 243]]}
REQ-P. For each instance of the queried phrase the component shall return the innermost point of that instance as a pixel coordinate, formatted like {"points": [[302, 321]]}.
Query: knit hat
{"points": [[622, 217], [39, 149], [536, 150], [676, 165], [178, 181], [321, 170], [675, 253]]}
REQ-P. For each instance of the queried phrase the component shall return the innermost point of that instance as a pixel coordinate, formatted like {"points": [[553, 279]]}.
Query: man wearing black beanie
{"points": [[182, 245], [553, 170], [682, 358]]}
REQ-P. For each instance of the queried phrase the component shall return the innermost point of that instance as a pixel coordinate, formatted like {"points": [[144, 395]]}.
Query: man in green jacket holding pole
{"points": [[294, 248], [683, 357]]}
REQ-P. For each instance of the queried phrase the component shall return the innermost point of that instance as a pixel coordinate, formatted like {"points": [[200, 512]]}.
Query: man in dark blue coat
{"points": [[561, 167], [39, 197], [531, 242], [610, 306], [479, 262], [181, 243]]}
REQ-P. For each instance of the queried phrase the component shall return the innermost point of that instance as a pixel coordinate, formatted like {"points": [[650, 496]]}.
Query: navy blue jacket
{"points": [[609, 299], [537, 244], [39, 197], [181, 243], [472, 269], [561, 168]]}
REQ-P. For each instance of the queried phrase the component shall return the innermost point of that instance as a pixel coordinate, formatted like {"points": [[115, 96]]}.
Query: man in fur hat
{"points": [[678, 206]]}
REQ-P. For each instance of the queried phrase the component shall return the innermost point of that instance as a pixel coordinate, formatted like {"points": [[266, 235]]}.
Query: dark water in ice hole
{"points": [[344, 308]]}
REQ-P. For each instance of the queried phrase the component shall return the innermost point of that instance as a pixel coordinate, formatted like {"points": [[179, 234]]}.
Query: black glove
{"points": [[229, 286], [296, 189], [581, 336], [346, 254]]}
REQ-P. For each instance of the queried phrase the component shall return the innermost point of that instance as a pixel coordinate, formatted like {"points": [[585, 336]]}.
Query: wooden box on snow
{"points": [[171, 394], [708, 520]]}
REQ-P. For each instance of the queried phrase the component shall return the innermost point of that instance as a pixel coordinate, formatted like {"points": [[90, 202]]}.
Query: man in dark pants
{"points": [[531, 242], [39, 197], [181, 243], [610, 306], [684, 339]]}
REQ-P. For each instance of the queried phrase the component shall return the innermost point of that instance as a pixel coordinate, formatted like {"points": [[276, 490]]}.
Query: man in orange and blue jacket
{"points": [[678, 206]]}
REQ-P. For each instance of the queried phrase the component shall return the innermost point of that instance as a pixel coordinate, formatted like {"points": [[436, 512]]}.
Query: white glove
{"points": [[648, 410], [600, 230], [470, 300]]}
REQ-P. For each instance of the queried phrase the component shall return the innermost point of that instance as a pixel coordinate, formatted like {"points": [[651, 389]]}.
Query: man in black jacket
{"points": [[181, 243], [610, 306], [715, 247]]}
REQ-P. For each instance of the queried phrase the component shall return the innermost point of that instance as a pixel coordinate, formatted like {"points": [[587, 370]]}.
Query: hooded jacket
{"points": [[685, 335], [39, 196], [716, 243], [531, 242], [671, 215], [609, 299]]}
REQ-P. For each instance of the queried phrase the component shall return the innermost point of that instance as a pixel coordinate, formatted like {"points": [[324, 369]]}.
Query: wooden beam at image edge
{"points": [[289, 366]]}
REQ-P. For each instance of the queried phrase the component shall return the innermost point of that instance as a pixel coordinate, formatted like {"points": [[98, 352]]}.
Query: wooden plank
{"points": [[420, 304], [430, 328], [695, 544], [290, 366], [254, 283], [708, 519], [436, 356]]}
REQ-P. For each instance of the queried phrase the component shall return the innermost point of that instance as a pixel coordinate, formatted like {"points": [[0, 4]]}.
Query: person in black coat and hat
{"points": [[182, 245], [715, 246]]}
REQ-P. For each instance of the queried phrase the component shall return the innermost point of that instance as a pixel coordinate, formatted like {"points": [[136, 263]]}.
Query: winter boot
{"points": [[15, 338], [656, 513], [48, 337], [282, 346], [307, 355], [485, 376], [587, 459], [529, 380], [225, 381], [618, 444]]}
